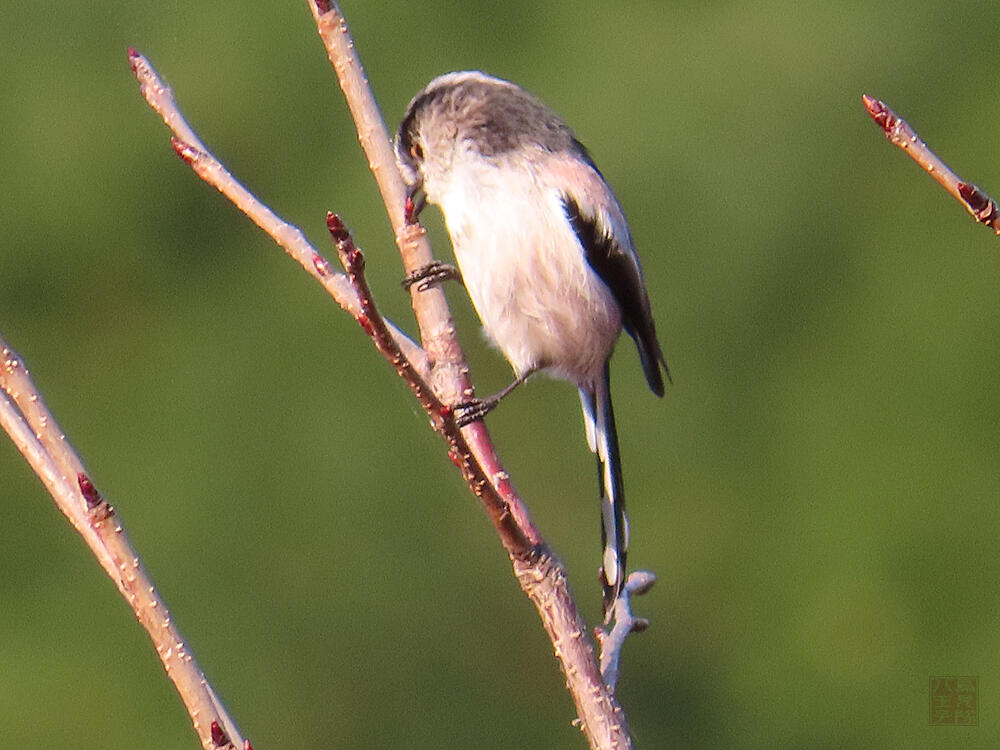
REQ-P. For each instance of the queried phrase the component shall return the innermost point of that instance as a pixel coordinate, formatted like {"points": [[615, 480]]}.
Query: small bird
{"points": [[544, 251]]}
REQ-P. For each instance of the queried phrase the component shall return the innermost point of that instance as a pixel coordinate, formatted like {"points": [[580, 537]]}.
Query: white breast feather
{"points": [[524, 268]]}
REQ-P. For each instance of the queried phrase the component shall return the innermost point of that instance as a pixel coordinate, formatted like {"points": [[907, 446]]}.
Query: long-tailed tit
{"points": [[544, 250]]}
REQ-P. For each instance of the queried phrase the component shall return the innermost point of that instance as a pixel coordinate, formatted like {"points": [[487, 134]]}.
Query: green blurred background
{"points": [[817, 492]]}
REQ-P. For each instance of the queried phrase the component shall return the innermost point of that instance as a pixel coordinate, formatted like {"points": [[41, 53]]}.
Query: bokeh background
{"points": [[817, 492]]}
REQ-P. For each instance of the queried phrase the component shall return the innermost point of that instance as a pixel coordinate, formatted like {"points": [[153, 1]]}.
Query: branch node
{"points": [[411, 211], [980, 205], [639, 624], [11, 361], [98, 508], [322, 266], [186, 151], [351, 257], [640, 582], [219, 736], [883, 116], [90, 494]]}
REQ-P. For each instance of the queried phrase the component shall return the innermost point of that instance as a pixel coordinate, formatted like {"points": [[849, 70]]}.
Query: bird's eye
{"points": [[417, 151]]}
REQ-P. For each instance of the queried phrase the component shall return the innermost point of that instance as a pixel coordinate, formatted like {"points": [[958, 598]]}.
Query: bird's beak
{"points": [[416, 199]]}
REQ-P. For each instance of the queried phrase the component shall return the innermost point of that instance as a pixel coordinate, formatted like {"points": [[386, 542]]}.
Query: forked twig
{"points": [[541, 575], [625, 623], [442, 418], [438, 374], [289, 237], [36, 434], [980, 205], [450, 375], [519, 535]]}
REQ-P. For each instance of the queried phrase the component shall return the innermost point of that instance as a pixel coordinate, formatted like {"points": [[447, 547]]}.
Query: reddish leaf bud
{"points": [[322, 265], [90, 494], [219, 737], [336, 227], [184, 150]]}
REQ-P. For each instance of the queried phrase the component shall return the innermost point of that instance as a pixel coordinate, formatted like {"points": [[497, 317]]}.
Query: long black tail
{"points": [[602, 437]]}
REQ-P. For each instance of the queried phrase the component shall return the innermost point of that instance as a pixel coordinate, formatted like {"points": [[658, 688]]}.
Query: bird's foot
{"points": [[433, 273], [473, 410]]}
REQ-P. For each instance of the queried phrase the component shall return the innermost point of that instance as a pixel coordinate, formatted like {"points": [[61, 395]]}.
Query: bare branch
{"points": [[35, 432], [449, 376], [289, 237], [611, 641], [507, 512], [439, 364], [982, 207], [437, 330], [600, 717], [371, 320], [541, 576], [517, 544]]}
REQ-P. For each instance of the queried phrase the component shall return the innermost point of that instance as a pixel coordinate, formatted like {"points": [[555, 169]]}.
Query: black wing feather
{"points": [[623, 278]]}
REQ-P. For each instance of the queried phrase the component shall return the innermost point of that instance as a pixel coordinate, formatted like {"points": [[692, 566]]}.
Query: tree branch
{"points": [[981, 206], [514, 540], [436, 372], [519, 535], [541, 576], [36, 434], [289, 237], [449, 377], [625, 623]]}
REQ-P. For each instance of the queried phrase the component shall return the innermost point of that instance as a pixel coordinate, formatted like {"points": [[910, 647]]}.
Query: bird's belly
{"points": [[540, 302]]}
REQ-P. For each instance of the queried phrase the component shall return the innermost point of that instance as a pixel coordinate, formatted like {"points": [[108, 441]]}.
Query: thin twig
{"points": [[612, 641], [442, 417], [372, 322], [980, 205], [450, 373], [510, 523], [289, 237], [430, 308], [439, 363], [449, 377], [542, 577], [35, 432]]}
